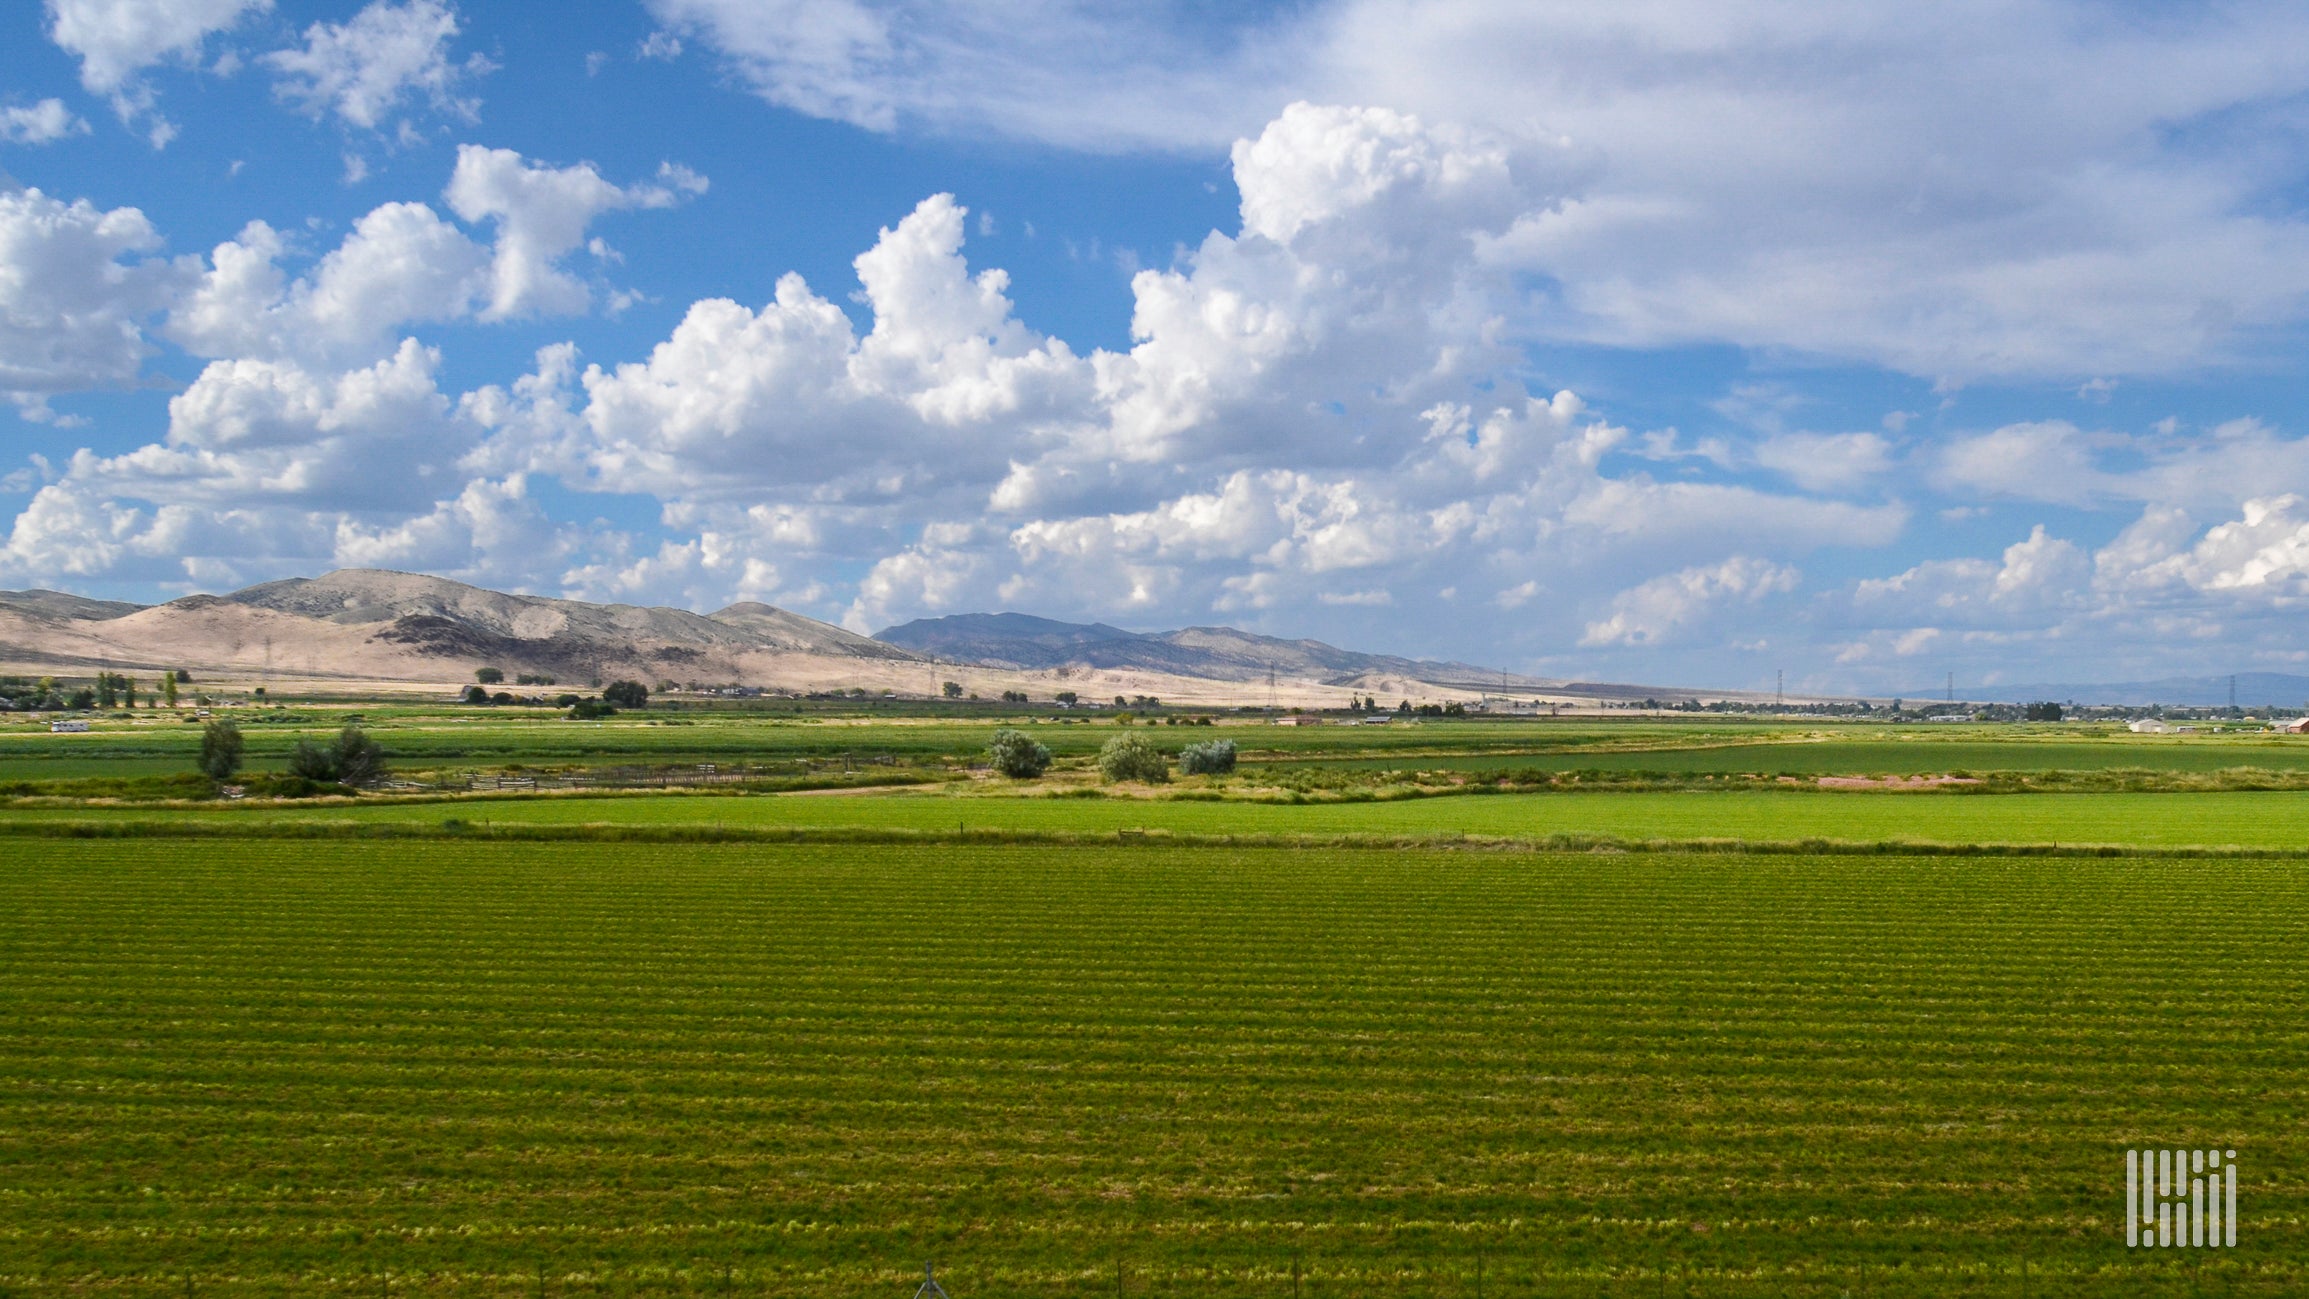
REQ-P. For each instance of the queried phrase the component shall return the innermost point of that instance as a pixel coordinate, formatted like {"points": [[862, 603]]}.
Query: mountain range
{"points": [[421, 632], [1019, 640], [374, 625]]}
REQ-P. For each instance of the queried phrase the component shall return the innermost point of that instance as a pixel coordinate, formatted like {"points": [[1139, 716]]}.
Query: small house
{"points": [[72, 726]]}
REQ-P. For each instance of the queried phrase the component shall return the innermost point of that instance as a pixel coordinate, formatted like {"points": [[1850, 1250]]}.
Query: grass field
{"points": [[434, 1068], [448, 738], [2270, 820], [1029, 1036]]}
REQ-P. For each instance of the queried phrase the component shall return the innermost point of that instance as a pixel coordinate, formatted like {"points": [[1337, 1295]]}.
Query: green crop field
{"points": [[1353, 1021], [2274, 820], [607, 1069]]}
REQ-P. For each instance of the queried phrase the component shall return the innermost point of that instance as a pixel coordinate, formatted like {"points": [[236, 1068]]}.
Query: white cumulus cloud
{"points": [[43, 123], [364, 69]]}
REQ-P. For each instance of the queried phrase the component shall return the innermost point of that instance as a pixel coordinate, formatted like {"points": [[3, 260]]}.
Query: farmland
{"points": [[2267, 821], [1592, 1007], [797, 1069]]}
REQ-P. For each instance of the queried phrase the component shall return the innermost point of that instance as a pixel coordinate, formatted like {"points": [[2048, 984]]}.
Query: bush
{"points": [[1133, 757], [1210, 758], [309, 761], [625, 694], [586, 710], [351, 759], [489, 676], [359, 759], [473, 695], [1018, 755], [220, 749]]}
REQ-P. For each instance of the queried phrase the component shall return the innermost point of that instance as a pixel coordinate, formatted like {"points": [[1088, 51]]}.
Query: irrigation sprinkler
{"points": [[930, 1285]]}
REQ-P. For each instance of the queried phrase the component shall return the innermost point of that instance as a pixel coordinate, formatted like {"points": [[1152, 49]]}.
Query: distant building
{"points": [[1298, 719], [2298, 726], [67, 728]]}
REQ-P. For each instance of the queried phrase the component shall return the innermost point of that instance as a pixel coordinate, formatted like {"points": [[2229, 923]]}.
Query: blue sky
{"points": [[1675, 341]]}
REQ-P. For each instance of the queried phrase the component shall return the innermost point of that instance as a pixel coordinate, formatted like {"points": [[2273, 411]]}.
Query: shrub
{"points": [[1018, 755], [473, 695], [351, 759], [309, 761], [1133, 757], [489, 676], [1209, 758], [586, 710], [220, 749], [625, 694], [358, 758]]}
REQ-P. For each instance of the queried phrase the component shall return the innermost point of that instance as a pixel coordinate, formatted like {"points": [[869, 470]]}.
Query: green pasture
{"points": [[488, 739], [1878, 756], [2259, 820], [435, 1068]]}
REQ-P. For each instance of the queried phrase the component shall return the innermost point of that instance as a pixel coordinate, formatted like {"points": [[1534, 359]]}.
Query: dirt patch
{"points": [[1893, 782]]}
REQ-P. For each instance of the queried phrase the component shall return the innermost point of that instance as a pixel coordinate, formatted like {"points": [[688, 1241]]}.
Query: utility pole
{"points": [[1951, 688], [2232, 693], [1779, 689]]}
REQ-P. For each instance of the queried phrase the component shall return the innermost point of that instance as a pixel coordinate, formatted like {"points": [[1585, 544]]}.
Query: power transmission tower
{"points": [[2232, 693], [1951, 688], [1779, 688], [930, 1285]]}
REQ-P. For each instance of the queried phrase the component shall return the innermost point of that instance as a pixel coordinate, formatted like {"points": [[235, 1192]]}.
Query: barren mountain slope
{"points": [[60, 604]]}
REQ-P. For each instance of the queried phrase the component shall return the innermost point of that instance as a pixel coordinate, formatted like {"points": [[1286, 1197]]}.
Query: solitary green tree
{"points": [[951, 689], [626, 694], [220, 749], [168, 689], [489, 676], [359, 759], [312, 762], [1209, 758], [1018, 755], [1133, 757]]}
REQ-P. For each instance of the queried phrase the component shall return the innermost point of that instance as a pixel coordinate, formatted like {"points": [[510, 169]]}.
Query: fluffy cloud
{"points": [[117, 39], [379, 438], [541, 214], [2039, 575], [1753, 177], [792, 401], [1675, 602], [74, 295], [403, 263], [364, 69], [43, 123], [2058, 463]]}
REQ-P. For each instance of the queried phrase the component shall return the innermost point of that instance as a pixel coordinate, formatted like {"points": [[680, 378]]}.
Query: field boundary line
{"points": [[459, 831]]}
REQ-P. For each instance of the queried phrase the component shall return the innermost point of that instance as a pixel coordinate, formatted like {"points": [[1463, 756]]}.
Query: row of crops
{"points": [[264, 1067]]}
